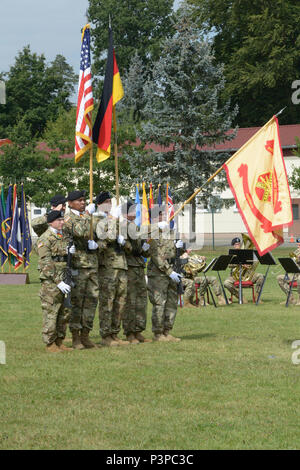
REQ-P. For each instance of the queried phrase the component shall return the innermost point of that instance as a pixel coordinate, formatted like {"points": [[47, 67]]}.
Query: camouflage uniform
{"points": [[257, 279], [84, 296], [39, 224], [162, 290], [52, 253], [284, 283], [135, 315], [190, 289], [112, 279]]}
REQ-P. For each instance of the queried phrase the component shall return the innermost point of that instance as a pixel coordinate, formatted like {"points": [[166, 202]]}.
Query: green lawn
{"points": [[229, 384]]}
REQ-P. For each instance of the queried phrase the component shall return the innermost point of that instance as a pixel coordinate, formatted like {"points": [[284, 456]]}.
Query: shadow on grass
{"points": [[204, 335]]}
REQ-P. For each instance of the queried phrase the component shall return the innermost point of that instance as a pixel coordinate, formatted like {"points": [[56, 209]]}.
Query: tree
{"points": [[258, 41], [138, 26], [184, 116], [35, 91]]}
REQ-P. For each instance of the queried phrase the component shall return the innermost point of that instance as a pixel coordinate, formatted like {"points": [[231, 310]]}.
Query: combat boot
{"points": [[109, 341], [189, 304], [85, 340], [53, 348], [256, 297], [221, 300], [159, 337], [132, 339], [76, 342], [170, 337], [142, 338], [59, 343], [119, 340]]}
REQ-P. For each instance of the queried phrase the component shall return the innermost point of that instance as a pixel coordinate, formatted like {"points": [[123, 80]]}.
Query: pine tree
{"points": [[183, 116]]}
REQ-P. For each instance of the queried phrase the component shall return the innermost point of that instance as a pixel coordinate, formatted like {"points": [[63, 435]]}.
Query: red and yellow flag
{"points": [[111, 94], [257, 177], [145, 211]]}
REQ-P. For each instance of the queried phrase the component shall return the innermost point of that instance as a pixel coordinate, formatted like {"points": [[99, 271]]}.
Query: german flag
{"points": [[111, 94]]}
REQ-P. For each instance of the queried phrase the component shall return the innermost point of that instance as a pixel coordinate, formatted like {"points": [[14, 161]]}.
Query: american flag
{"points": [[85, 102], [170, 206]]}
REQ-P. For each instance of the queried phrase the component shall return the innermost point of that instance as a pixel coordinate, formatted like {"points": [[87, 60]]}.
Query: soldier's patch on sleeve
{"points": [[40, 245], [67, 218]]}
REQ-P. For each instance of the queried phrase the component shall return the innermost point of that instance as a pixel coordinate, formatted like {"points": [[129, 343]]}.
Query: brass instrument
{"points": [[247, 271], [195, 265], [295, 257]]}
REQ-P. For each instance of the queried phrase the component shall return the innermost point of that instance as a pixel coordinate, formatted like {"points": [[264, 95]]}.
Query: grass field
{"points": [[229, 384]]}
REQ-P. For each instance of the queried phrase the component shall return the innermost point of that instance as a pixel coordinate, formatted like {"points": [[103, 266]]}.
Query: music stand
{"points": [[208, 286], [266, 259], [220, 264], [241, 257], [290, 266]]}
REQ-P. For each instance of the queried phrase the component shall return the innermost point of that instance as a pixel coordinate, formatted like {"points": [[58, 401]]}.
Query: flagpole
{"points": [[195, 193], [91, 190], [116, 156]]}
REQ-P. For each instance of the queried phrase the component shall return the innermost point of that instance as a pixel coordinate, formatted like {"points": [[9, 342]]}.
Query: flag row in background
{"points": [[143, 209], [15, 238]]}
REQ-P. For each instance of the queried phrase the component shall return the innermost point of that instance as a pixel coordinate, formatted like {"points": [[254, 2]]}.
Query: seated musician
{"points": [[192, 269], [247, 274], [283, 280]]}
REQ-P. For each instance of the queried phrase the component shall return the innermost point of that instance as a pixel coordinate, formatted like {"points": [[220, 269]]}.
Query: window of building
{"points": [[295, 208], [37, 211]]}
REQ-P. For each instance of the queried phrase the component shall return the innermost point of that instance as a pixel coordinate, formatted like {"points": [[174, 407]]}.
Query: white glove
{"points": [[175, 277], [71, 250], [145, 246], [115, 212], [92, 245], [64, 288], [178, 244], [91, 208], [121, 240], [163, 224]]}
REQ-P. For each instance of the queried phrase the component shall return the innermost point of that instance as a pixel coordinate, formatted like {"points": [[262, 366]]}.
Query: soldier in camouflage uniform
{"points": [[52, 251], [256, 278], [112, 279], [39, 224], [135, 315], [192, 268], [162, 282], [84, 297], [284, 283]]}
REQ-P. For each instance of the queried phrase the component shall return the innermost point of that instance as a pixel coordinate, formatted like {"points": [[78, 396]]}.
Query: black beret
{"points": [[53, 215], [235, 240], [297, 240], [76, 195], [101, 197], [58, 199]]}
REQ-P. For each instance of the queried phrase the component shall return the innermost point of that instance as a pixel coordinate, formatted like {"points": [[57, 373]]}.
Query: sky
{"points": [[50, 27]]}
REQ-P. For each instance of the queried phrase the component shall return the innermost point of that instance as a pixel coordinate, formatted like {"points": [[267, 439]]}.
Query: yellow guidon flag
{"points": [[111, 94], [145, 210], [257, 177]]}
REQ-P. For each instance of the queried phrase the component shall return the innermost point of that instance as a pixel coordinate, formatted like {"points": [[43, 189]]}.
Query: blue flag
{"points": [[6, 223], [3, 251], [15, 242], [138, 213], [25, 230]]}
